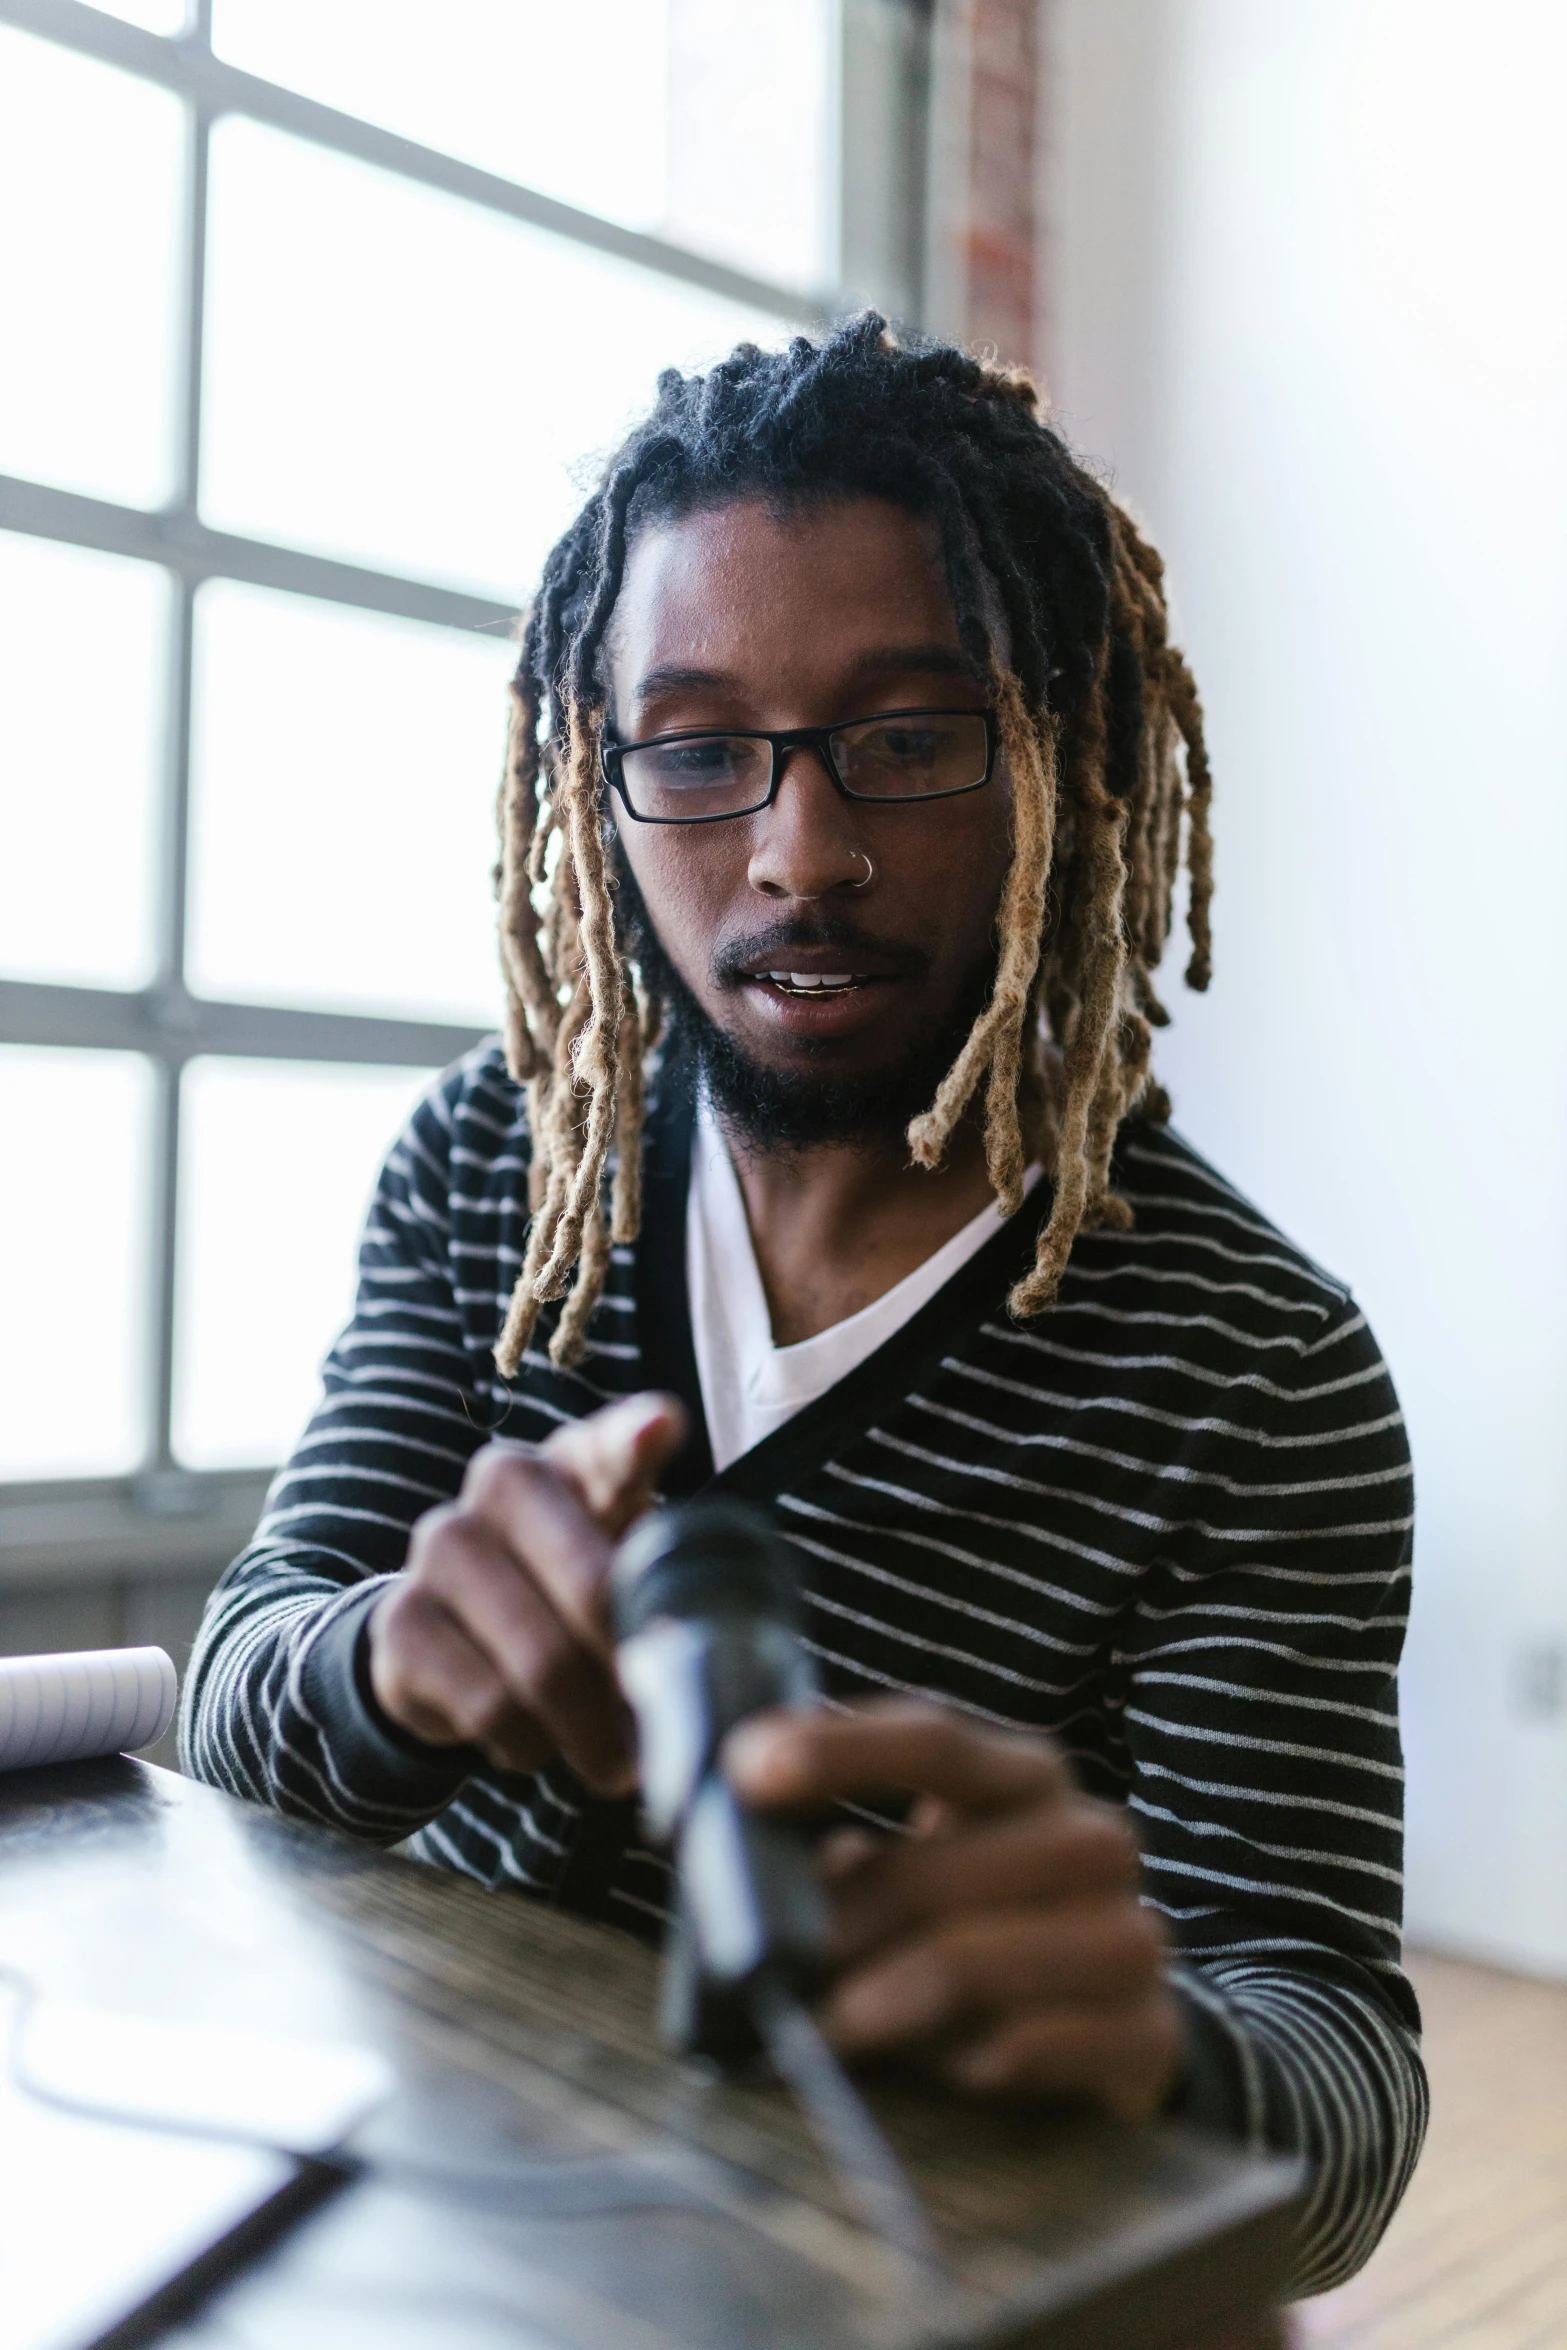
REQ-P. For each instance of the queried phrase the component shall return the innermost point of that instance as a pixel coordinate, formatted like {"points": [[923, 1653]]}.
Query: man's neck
{"points": [[835, 1227]]}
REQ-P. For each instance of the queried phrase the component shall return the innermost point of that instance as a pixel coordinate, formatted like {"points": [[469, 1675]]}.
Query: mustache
{"points": [[737, 958]]}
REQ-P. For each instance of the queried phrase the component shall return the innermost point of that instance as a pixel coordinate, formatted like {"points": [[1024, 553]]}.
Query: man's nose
{"points": [[805, 843]]}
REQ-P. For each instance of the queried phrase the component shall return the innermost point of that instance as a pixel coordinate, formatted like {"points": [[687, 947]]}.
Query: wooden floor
{"points": [[1477, 2257]]}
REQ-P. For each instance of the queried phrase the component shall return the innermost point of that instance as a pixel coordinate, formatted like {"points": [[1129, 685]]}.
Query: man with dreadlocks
{"points": [[849, 777]]}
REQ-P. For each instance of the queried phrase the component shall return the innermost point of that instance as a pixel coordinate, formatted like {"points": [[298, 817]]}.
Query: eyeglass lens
{"points": [[898, 757]]}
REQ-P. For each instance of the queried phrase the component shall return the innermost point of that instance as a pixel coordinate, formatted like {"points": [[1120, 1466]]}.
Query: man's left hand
{"points": [[1002, 1942]]}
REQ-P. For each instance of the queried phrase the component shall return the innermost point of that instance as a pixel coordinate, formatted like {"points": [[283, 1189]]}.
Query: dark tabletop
{"points": [[702, 2218]]}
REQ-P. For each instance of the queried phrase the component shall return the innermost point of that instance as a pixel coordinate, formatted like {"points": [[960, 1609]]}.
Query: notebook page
{"points": [[58, 1709]]}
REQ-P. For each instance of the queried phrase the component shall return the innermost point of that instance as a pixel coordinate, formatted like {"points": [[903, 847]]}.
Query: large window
{"points": [[315, 310]]}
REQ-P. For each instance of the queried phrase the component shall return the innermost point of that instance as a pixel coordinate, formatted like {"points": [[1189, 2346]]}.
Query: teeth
{"points": [[804, 981]]}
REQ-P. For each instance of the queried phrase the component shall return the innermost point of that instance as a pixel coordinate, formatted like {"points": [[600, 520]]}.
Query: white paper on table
{"points": [[95, 1701], [303, 2096], [95, 2218]]}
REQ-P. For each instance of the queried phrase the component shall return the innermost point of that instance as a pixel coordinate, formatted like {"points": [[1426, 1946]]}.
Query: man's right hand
{"points": [[498, 1634]]}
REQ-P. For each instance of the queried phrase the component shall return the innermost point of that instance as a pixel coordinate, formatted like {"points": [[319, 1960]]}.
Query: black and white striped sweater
{"points": [[1169, 1523]]}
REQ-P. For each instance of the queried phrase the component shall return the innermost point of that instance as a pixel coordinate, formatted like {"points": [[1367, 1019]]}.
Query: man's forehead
{"points": [[726, 585]]}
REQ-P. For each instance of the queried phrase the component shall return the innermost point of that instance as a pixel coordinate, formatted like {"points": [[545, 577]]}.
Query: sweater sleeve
{"points": [[1262, 1719], [276, 1705]]}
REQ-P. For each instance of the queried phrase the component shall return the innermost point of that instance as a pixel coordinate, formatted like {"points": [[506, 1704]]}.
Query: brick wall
{"points": [[985, 200]]}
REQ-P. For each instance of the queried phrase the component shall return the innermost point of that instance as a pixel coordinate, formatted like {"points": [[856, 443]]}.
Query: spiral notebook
{"points": [[72, 1708]]}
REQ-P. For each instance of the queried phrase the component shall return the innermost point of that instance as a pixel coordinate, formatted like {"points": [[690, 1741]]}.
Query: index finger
{"points": [[614, 1456], [557, 1506], [543, 1524], [894, 1746]]}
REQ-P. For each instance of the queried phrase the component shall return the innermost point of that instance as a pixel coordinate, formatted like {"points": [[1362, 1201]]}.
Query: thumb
{"points": [[614, 1457]]}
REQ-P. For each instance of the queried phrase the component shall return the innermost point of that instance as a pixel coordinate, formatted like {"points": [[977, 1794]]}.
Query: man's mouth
{"points": [[819, 966], [814, 982], [819, 981]]}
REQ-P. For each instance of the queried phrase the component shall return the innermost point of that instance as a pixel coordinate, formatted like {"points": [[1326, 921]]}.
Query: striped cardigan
{"points": [[1169, 1523]]}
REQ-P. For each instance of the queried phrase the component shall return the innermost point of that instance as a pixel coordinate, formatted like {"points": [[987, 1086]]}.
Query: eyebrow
{"points": [[887, 661]]}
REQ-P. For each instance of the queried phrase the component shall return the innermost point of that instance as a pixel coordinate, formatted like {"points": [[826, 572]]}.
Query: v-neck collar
{"points": [[842, 1412]]}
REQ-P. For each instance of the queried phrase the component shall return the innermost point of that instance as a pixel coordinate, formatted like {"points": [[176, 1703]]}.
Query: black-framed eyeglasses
{"points": [[898, 756]]}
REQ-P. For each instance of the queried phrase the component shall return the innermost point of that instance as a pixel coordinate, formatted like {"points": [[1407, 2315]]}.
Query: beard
{"points": [[783, 1111]]}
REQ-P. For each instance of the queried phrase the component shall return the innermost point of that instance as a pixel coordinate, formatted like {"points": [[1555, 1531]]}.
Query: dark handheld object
{"points": [[707, 1620]]}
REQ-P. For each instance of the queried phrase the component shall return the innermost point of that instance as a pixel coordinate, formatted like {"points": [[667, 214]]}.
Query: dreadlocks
{"points": [[1058, 598]]}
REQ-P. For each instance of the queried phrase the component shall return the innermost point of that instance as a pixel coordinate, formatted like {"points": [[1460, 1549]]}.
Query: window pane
{"points": [[154, 16], [74, 1225], [567, 100], [404, 380], [713, 125], [277, 1163], [92, 161], [81, 738], [342, 808], [753, 136]]}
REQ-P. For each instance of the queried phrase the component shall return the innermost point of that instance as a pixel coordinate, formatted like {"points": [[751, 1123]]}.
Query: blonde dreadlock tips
{"points": [[996, 1038]]}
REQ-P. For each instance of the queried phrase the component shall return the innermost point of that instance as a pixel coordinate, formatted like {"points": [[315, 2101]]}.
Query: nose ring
{"points": [[870, 873]]}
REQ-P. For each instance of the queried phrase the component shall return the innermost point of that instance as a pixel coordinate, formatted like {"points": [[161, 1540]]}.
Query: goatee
{"points": [[788, 1110]]}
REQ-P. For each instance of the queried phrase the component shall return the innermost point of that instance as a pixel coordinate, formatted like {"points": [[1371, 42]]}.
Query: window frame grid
{"points": [[163, 1517]]}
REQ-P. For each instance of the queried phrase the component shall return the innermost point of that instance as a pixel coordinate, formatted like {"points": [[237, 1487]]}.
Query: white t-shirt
{"points": [[749, 1386]]}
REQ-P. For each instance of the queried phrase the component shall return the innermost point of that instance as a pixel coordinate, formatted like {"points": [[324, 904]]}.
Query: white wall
{"points": [[1308, 295]]}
